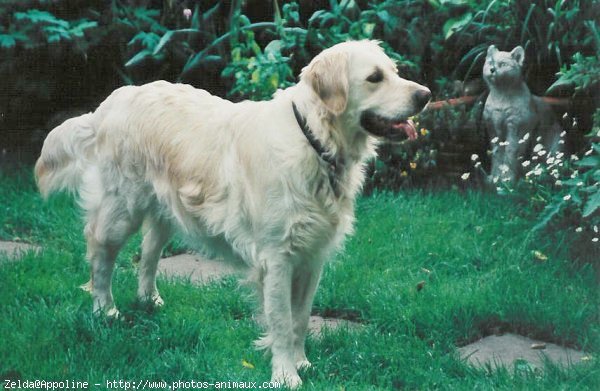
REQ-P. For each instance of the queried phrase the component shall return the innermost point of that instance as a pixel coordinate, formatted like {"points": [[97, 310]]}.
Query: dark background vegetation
{"points": [[60, 58]]}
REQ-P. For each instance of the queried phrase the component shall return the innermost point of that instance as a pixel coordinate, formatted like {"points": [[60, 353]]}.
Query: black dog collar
{"points": [[324, 154]]}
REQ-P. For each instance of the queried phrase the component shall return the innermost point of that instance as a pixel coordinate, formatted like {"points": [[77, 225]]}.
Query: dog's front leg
{"points": [[277, 291], [304, 285]]}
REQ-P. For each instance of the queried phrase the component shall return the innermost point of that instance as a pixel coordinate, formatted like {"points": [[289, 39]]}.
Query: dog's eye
{"points": [[375, 77]]}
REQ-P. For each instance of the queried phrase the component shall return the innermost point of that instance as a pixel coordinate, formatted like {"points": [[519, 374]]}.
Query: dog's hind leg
{"points": [[109, 226], [154, 239], [304, 285]]}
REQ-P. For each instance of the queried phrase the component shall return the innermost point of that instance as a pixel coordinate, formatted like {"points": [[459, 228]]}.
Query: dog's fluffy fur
{"points": [[240, 179]]}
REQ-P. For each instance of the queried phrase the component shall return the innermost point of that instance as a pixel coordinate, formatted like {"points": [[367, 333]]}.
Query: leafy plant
{"points": [[564, 191], [582, 74]]}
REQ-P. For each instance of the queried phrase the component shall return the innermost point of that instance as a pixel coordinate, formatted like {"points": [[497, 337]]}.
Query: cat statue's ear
{"points": [[491, 51], [518, 54]]}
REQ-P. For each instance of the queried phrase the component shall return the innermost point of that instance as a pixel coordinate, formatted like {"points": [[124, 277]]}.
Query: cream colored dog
{"points": [[270, 185]]}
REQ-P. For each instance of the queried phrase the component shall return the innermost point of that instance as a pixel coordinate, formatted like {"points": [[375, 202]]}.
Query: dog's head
{"points": [[357, 82]]}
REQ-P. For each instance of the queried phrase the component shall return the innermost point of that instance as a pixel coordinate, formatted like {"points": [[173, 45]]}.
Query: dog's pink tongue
{"points": [[408, 127]]}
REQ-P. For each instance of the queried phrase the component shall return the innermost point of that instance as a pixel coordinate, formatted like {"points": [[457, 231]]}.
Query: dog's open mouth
{"points": [[393, 129]]}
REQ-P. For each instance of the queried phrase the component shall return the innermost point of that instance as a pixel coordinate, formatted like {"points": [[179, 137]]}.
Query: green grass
{"points": [[471, 249]]}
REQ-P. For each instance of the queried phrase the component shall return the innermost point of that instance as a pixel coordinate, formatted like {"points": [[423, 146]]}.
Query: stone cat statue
{"points": [[515, 120]]}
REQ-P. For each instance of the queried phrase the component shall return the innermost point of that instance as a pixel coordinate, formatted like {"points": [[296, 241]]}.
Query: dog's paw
{"points": [[113, 313], [303, 364], [154, 300], [157, 301], [109, 312], [287, 379], [285, 373], [87, 287]]}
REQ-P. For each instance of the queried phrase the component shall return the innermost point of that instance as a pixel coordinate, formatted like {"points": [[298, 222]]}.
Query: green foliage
{"points": [[564, 194], [551, 31], [269, 69], [583, 73]]}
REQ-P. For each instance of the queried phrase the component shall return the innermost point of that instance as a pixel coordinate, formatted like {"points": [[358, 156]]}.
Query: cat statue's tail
{"points": [[65, 155]]}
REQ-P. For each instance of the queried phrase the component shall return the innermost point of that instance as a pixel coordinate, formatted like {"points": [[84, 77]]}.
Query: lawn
{"points": [[424, 273]]}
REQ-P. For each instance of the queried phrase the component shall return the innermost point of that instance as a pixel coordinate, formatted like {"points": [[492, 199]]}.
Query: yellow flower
{"points": [[403, 173], [424, 132], [540, 256], [246, 364], [413, 165]]}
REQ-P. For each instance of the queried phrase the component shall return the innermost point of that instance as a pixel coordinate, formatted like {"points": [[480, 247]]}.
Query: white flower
{"points": [[504, 143], [550, 160], [555, 173], [574, 158], [478, 164], [494, 140], [541, 153], [595, 228], [503, 168], [579, 183], [558, 183], [465, 176], [534, 158], [538, 147], [560, 155], [595, 240], [187, 13], [563, 133], [538, 139], [521, 141], [578, 229], [561, 141], [526, 163], [495, 179], [474, 157], [526, 137], [588, 153], [574, 174], [567, 197], [537, 171]]}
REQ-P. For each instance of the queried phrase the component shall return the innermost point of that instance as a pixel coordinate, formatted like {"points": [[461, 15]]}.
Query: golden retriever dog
{"points": [[270, 185]]}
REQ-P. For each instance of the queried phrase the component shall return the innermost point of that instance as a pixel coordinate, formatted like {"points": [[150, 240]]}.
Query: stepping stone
{"points": [[508, 349], [12, 251], [317, 324], [198, 269]]}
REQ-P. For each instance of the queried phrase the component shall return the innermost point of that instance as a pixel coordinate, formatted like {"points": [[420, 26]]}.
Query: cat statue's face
{"points": [[503, 69]]}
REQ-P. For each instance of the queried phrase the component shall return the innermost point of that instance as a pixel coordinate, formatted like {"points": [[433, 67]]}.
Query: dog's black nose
{"points": [[422, 97]]}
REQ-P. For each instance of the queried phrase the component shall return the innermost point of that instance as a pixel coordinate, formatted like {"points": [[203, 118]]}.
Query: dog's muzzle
{"points": [[398, 128]]}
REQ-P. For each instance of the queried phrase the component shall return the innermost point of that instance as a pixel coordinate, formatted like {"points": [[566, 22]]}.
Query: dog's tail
{"points": [[65, 155]]}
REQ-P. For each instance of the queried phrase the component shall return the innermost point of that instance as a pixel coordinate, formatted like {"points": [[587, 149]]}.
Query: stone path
{"points": [[12, 251], [508, 349], [198, 269]]}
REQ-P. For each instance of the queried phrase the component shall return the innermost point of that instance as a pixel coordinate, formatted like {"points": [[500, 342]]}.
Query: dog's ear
{"points": [[518, 54], [327, 74], [491, 51]]}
